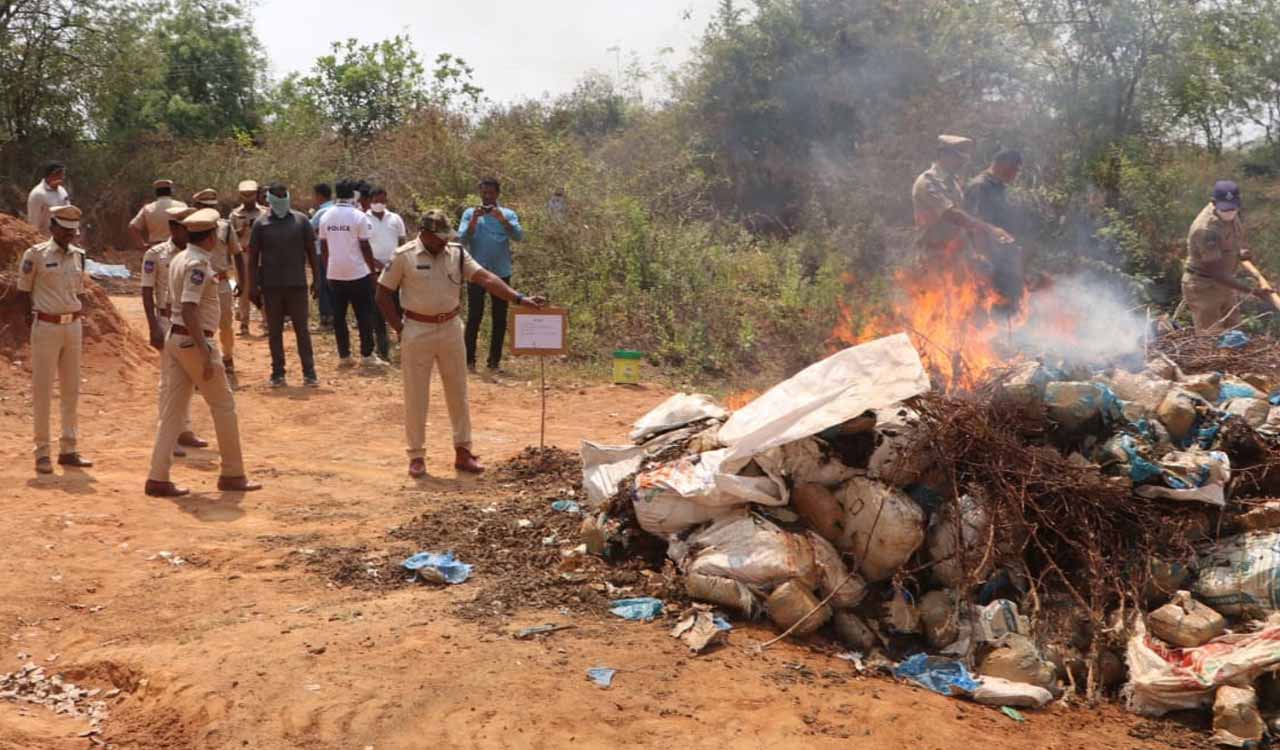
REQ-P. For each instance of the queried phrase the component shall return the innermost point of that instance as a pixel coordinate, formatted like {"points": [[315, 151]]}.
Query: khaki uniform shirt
{"points": [[54, 277], [429, 284], [155, 271], [191, 279], [242, 222], [221, 257], [933, 194], [152, 220], [1213, 245]]}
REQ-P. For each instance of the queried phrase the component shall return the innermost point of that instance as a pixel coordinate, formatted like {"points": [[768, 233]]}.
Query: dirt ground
{"points": [[251, 643]]}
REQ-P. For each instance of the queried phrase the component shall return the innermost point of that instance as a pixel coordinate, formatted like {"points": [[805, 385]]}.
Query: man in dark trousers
{"points": [[281, 246], [985, 198], [487, 231]]}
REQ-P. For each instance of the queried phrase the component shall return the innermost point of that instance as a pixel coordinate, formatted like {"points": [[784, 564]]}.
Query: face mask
{"points": [[378, 208], [1228, 215], [444, 236], [279, 206]]}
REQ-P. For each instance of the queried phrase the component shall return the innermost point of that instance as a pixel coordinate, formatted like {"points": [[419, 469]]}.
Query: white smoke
{"points": [[1081, 321]]}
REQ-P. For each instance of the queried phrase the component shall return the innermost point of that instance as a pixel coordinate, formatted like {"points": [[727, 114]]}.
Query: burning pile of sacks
{"points": [[763, 510]]}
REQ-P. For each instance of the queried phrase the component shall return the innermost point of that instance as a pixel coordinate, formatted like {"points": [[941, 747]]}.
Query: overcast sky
{"points": [[518, 48]]}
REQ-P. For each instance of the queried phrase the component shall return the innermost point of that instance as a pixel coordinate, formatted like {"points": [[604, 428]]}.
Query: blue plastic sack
{"points": [[1140, 469], [936, 673], [643, 608], [1229, 391], [1233, 340], [437, 568], [602, 676]]}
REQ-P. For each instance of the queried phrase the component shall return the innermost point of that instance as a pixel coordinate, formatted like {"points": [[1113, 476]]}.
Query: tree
{"points": [[364, 89]]}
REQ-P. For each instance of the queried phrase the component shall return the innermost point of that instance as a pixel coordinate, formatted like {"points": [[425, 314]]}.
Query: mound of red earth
{"points": [[105, 331]]}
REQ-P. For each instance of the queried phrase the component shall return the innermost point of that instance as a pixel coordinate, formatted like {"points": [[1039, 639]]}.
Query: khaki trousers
{"points": [[55, 352], [244, 305], [1213, 306], [165, 323], [182, 372], [422, 347], [226, 324]]}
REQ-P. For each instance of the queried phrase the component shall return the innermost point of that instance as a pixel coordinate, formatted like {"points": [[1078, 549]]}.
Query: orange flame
{"points": [[739, 400], [950, 312]]}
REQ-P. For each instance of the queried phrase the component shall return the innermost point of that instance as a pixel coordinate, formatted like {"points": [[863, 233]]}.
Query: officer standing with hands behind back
{"points": [[51, 293], [429, 274]]}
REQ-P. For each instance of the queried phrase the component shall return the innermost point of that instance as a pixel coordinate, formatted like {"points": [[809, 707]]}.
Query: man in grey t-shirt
{"points": [[281, 246]]}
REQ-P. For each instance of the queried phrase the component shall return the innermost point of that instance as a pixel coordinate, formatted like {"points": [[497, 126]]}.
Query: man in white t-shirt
{"points": [[48, 194], [388, 235], [350, 270]]}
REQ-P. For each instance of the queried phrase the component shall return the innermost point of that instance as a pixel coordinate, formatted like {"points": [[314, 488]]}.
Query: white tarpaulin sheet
{"points": [[868, 376]]}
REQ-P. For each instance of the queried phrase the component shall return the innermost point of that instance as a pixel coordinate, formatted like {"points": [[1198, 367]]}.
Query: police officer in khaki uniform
{"points": [[1215, 247], [156, 302], [937, 196], [191, 360], [242, 218], [51, 286], [226, 255], [151, 224], [430, 274]]}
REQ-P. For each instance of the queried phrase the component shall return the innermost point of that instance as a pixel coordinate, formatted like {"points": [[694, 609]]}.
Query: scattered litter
{"points": [[524, 523], [1012, 713], [566, 506], [700, 627], [526, 633], [105, 270], [997, 691], [642, 609], [1233, 340], [939, 674], [601, 676], [438, 568], [31, 684]]}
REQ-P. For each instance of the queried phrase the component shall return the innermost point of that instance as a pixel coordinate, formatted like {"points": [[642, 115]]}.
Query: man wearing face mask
{"points": [[429, 274], [1215, 248], [281, 246]]}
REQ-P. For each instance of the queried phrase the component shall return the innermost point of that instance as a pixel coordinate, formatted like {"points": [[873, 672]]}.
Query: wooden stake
{"points": [[542, 435], [1253, 271]]}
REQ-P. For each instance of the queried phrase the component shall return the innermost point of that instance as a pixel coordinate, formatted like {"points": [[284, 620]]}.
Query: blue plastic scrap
{"points": [[601, 676], [1228, 391], [720, 622], [1274, 399], [940, 675], [566, 506], [642, 608], [1233, 340], [1140, 469], [437, 568]]}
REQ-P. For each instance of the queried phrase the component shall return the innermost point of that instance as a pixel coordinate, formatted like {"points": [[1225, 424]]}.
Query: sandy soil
{"points": [[246, 645]]}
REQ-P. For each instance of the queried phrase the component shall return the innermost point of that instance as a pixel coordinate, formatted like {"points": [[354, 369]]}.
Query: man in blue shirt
{"points": [[321, 201], [487, 231]]}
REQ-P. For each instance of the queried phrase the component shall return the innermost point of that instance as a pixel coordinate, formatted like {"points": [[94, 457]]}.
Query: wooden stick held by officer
{"points": [[51, 295], [430, 274], [191, 359]]}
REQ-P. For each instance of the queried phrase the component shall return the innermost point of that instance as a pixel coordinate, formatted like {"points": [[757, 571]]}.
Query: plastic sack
{"points": [[1177, 412], [820, 509], [792, 603], [827, 393], [938, 618], [832, 572], [1186, 622], [1192, 476], [691, 490], [1240, 576], [997, 691], [854, 632], [1234, 388], [436, 568], [1141, 388], [104, 270], [942, 676], [1271, 427], [1016, 658], [1206, 385], [1164, 679], [605, 466], [813, 460], [1254, 411], [726, 592], [752, 550], [641, 609], [883, 521], [902, 452], [953, 550], [1236, 721], [677, 411]]}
